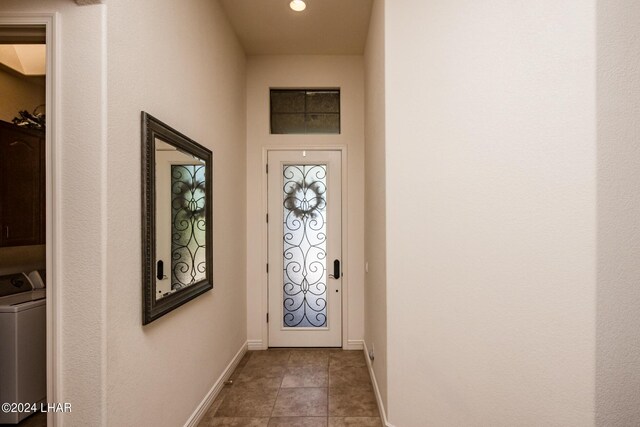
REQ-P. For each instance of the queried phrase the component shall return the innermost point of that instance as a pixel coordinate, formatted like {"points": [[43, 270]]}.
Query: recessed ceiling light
{"points": [[297, 5]]}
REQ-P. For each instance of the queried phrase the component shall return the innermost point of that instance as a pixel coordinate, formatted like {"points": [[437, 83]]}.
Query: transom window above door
{"points": [[305, 111]]}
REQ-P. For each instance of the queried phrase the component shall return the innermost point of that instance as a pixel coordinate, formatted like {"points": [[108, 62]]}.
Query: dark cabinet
{"points": [[22, 186]]}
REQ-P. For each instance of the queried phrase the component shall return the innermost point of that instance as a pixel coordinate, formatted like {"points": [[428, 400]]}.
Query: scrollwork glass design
{"points": [[305, 238], [188, 225]]}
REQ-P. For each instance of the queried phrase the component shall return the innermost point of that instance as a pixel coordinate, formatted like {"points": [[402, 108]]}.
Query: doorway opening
{"points": [[27, 217]]}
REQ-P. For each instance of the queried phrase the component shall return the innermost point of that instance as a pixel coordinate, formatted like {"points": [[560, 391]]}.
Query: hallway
{"points": [[485, 249], [297, 388]]}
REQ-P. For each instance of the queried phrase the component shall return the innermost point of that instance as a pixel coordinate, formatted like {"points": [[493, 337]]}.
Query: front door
{"points": [[305, 248]]}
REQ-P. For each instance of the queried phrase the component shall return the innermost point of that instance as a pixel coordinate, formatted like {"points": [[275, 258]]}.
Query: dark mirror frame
{"points": [[153, 128]]}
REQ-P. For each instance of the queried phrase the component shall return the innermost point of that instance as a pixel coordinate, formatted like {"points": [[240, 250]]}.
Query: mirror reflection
{"points": [[180, 219], [177, 230]]}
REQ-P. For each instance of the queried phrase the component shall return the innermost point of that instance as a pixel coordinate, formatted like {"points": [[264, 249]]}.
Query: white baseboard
{"points": [[376, 390], [202, 408], [256, 345], [354, 345]]}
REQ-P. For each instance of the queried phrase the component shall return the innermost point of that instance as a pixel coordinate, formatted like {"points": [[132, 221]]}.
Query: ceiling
{"points": [[26, 59], [325, 27]]}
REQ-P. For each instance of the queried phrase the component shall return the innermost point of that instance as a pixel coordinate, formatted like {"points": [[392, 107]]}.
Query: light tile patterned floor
{"points": [[297, 388]]}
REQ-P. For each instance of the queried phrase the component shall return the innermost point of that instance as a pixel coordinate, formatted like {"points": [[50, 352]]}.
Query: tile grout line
{"points": [[328, 379], [328, 385], [279, 388]]}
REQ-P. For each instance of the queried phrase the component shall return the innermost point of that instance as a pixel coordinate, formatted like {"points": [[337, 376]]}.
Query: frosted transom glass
{"points": [[305, 111], [304, 246]]}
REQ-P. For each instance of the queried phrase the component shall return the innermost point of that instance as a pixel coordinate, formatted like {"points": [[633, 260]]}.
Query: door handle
{"points": [[160, 270], [336, 269]]}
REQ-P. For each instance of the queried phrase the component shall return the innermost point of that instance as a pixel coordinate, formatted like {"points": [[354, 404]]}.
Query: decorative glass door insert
{"points": [[305, 239], [181, 226], [188, 225]]}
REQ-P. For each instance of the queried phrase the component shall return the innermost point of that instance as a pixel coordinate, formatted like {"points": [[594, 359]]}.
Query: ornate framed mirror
{"points": [[177, 237]]}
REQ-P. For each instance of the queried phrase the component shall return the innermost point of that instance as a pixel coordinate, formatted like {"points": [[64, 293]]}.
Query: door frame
{"points": [[51, 23], [265, 231]]}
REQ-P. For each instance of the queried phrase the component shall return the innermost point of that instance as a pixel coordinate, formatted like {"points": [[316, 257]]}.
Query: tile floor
{"points": [[297, 388]]}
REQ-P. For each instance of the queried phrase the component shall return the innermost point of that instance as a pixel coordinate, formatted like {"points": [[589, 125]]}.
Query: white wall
{"points": [[80, 249], [375, 198], [345, 72], [618, 316], [180, 62], [491, 223], [19, 94]]}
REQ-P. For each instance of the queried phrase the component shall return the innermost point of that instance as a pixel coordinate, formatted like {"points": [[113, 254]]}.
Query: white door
{"points": [[305, 248]]}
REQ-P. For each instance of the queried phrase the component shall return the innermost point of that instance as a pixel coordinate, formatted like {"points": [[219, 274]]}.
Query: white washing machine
{"points": [[23, 349]]}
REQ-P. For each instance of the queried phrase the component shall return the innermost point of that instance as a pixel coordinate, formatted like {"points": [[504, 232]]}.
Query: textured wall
{"points": [[180, 62], [375, 200], [618, 309], [491, 154], [80, 250], [345, 72]]}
